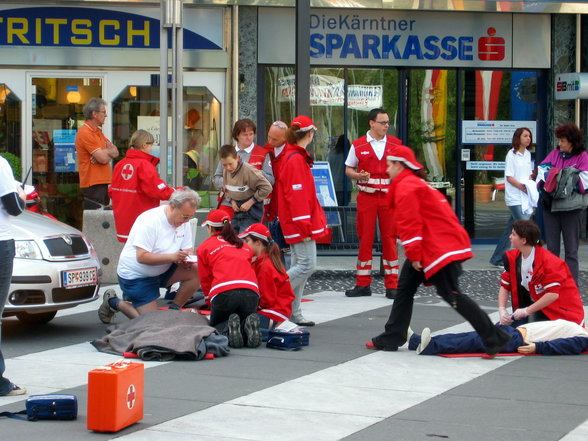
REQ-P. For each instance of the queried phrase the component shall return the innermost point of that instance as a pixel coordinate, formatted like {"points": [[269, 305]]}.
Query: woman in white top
{"points": [[518, 169]]}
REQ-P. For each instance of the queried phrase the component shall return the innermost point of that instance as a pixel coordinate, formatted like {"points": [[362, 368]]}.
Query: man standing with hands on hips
{"points": [[95, 152], [366, 163]]}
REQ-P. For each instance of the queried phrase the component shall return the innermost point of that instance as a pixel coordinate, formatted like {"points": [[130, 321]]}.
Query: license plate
{"points": [[80, 277]]}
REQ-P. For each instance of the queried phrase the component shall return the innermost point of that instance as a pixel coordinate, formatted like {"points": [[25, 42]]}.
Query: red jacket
{"points": [[299, 211], [276, 294], [426, 224], [257, 156], [369, 162], [223, 267], [136, 187], [271, 203], [550, 274]]}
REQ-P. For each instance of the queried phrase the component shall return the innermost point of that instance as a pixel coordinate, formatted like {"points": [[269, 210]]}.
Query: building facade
{"points": [[456, 78]]}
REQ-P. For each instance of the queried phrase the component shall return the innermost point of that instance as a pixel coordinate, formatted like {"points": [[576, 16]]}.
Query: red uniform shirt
{"points": [[276, 294], [369, 162], [136, 187], [550, 274], [428, 228], [223, 267], [299, 211]]}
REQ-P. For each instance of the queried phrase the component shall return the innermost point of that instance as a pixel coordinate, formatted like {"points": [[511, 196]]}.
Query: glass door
{"points": [[57, 113], [496, 97]]}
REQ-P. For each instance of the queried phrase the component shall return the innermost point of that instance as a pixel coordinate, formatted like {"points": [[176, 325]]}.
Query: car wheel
{"points": [[36, 319]]}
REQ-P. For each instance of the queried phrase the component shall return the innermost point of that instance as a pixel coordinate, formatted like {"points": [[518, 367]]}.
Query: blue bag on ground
{"points": [[288, 340]]}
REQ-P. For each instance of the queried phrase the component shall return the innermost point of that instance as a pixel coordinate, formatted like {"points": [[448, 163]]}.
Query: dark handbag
{"points": [[288, 340], [48, 407]]}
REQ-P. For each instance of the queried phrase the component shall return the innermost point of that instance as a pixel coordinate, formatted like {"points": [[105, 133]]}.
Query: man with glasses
{"points": [[158, 253], [366, 163], [95, 152]]}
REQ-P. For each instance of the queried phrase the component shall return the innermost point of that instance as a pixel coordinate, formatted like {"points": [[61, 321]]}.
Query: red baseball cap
{"points": [[304, 122], [216, 218], [402, 153], [257, 230]]}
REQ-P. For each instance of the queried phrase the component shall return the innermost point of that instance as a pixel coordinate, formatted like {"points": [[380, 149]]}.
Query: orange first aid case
{"points": [[115, 396]]}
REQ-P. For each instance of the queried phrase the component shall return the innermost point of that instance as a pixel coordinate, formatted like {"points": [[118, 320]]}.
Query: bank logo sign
{"points": [[571, 86], [405, 37]]}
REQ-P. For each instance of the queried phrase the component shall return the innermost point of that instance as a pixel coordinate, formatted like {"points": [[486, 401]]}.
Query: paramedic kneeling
{"points": [[156, 256]]}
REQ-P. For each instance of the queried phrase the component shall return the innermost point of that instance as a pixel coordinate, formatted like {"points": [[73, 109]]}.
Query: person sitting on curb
{"points": [[557, 337], [156, 256]]}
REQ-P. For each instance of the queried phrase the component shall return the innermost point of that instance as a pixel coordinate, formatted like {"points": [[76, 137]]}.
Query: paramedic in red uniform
{"points": [[435, 244], [366, 163], [136, 185]]}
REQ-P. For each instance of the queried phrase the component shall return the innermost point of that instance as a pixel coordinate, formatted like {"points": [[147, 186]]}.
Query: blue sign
{"points": [[64, 153], [86, 27]]}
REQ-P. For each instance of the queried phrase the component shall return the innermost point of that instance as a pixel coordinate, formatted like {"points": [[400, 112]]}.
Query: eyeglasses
{"points": [[384, 123], [280, 125]]}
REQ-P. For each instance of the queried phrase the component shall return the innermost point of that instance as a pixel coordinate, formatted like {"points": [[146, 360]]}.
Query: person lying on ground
{"points": [[557, 337]]}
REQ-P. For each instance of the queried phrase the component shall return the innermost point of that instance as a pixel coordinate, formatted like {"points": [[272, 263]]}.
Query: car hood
{"points": [[30, 225]]}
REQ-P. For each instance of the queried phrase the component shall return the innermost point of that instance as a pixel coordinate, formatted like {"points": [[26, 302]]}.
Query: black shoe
{"points": [[235, 336], [252, 331], [359, 291], [503, 339], [305, 322], [391, 293]]}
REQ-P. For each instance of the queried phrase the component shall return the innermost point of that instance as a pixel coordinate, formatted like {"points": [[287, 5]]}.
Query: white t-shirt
{"points": [[553, 329], [519, 166], [378, 146], [152, 232], [7, 186]]}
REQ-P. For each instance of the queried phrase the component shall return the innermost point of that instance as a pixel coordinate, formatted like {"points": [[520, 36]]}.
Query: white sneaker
{"points": [[425, 340], [409, 334]]}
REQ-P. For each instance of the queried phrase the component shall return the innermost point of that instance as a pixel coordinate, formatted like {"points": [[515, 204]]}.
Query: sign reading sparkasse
{"points": [[421, 39]]}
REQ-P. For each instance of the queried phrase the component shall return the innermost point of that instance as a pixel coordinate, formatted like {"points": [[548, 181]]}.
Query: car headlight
{"points": [[27, 249]]}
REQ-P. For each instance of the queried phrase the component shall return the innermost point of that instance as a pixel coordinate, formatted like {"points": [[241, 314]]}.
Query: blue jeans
{"points": [[464, 342], [6, 262], [516, 213], [303, 264]]}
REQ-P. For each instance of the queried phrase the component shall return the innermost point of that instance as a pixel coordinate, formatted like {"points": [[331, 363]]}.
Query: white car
{"points": [[56, 267]]}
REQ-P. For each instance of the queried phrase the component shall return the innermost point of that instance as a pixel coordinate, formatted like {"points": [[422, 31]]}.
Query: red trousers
{"points": [[372, 207]]}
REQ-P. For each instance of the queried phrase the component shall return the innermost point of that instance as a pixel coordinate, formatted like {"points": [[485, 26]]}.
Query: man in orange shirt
{"points": [[95, 152]]}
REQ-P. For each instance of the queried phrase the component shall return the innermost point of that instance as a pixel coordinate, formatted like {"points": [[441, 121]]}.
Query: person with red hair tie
{"points": [[276, 295]]}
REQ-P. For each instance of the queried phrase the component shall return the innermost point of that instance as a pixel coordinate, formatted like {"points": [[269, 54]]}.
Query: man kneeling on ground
{"points": [[555, 337], [155, 256]]}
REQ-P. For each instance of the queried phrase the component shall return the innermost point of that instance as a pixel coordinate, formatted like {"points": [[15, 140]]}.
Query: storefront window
{"points": [[137, 107], [332, 111], [10, 125], [57, 114]]}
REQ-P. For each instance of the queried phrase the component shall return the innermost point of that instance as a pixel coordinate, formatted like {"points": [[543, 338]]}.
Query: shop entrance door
{"points": [[56, 115]]}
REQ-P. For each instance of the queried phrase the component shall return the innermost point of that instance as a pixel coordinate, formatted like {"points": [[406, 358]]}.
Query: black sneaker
{"points": [[359, 291], [252, 331], [502, 340], [391, 293], [235, 336]]}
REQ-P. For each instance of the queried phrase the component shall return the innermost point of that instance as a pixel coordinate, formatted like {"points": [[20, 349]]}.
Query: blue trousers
{"points": [[516, 213], [464, 342], [6, 263]]}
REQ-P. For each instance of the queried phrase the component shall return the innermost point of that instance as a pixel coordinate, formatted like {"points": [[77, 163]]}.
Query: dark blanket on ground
{"points": [[164, 335]]}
